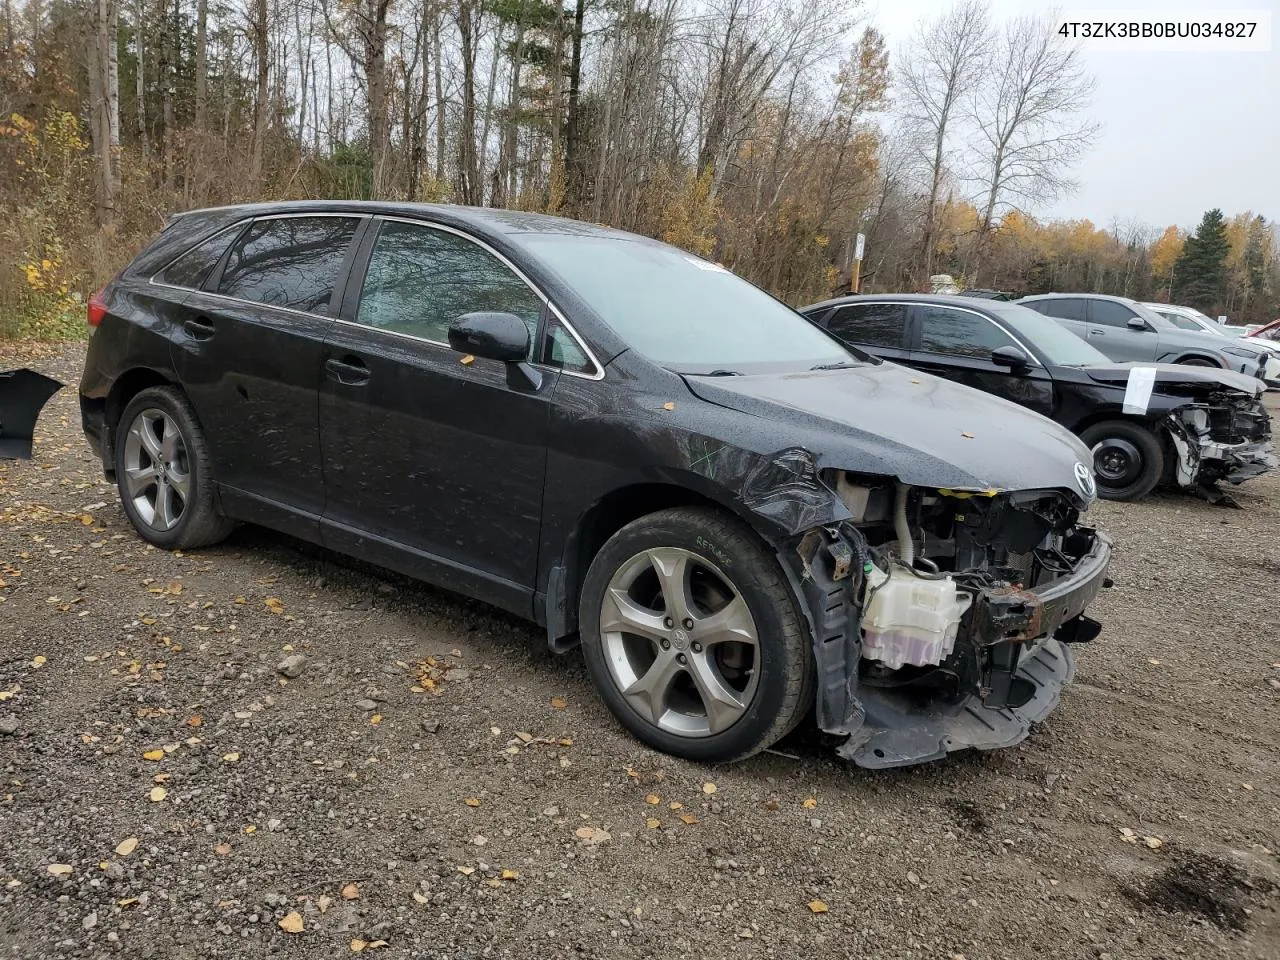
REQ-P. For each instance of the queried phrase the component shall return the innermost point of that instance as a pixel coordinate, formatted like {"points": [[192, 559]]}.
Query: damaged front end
{"points": [[942, 618], [1227, 436]]}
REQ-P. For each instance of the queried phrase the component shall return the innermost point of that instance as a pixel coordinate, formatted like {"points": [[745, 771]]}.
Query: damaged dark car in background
{"points": [[1187, 426], [738, 518]]}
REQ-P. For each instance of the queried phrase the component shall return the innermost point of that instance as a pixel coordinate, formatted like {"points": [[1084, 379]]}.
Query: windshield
{"points": [[1059, 345], [685, 313], [1179, 321]]}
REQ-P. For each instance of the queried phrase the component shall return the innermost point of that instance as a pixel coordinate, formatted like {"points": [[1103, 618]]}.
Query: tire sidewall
{"points": [[746, 573], [160, 399], [1148, 445]]}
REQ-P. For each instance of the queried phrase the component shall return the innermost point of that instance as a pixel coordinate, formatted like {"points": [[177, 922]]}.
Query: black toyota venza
{"points": [[740, 518]]}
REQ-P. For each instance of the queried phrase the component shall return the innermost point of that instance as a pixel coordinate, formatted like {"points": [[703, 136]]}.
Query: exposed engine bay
{"points": [[962, 602], [1226, 436]]}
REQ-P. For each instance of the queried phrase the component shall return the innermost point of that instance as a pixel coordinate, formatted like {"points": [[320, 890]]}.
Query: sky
{"points": [[1181, 132]]}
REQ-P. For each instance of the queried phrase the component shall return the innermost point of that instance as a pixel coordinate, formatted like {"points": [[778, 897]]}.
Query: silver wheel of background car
{"points": [[680, 642], [157, 473]]}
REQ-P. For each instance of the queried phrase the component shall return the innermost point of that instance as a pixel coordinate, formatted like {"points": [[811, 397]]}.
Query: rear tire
{"points": [[736, 681], [1198, 362], [1128, 459], [164, 473]]}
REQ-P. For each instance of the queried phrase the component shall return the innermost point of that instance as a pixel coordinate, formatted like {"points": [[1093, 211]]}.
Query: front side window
{"points": [[958, 333], [194, 267], [420, 280], [1108, 313], [564, 352], [290, 262], [873, 324]]}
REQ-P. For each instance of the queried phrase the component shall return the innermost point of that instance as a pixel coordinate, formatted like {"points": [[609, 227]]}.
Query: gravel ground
{"points": [[433, 783]]}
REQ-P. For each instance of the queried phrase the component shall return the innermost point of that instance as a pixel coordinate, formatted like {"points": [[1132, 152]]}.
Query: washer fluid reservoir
{"points": [[910, 620]]}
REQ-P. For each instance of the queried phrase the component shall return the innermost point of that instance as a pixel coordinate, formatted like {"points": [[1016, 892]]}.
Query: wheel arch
{"points": [[126, 386], [1189, 355], [609, 514]]}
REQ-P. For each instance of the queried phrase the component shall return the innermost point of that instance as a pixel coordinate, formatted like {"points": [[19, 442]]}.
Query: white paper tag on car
{"points": [[1138, 393]]}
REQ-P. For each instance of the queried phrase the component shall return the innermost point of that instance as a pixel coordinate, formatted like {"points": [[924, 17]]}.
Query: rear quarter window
{"points": [[194, 268]]}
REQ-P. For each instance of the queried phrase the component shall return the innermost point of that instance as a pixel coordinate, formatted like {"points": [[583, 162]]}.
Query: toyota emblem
{"points": [[1084, 480]]}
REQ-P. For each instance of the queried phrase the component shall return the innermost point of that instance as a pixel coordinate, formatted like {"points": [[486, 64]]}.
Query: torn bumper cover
{"points": [[1009, 662]]}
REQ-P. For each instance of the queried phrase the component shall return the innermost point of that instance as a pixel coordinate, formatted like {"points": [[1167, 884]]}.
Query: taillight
{"points": [[97, 308]]}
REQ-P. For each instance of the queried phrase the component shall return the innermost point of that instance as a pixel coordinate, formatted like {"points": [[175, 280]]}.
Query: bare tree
{"points": [[943, 66], [1028, 118], [104, 97]]}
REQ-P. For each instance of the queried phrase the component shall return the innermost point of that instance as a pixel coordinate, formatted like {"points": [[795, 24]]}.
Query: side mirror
{"points": [[1137, 323], [494, 336], [1010, 356]]}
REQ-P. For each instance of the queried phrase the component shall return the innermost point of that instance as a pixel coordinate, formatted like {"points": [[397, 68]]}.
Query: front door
{"points": [[434, 462], [249, 356], [956, 343], [1109, 331]]}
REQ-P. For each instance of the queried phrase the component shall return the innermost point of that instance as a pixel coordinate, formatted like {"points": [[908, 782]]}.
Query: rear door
{"points": [[878, 328], [434, 462], [1109, 331], [250, 357], [956, 343], [1068, 311]]}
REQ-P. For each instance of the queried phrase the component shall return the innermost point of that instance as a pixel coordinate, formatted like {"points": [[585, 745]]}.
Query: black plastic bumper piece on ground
{"points": [[897, 731]]}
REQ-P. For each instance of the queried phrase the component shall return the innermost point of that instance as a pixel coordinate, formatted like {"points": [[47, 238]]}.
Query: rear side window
{"points": [[1108, 313], [874, 324], [193, 268], [290, 262], [1064, 308], [421, 279], [959, 333]]}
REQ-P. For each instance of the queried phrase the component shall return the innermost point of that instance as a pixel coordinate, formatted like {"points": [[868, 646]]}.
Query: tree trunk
{"points": [[202, 64], [260, 104], [140, 86], [576, 188], [168, 81], [439, 84], [508, 168], [104, 96], [376, 86], [469, 186], [482, 163]]}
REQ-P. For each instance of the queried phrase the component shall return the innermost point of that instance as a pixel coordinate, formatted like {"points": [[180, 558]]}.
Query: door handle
{"points": [[349, 370], [200, 328], [1097, 333]]}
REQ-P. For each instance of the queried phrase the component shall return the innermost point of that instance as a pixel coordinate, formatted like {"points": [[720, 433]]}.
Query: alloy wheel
{"points": [[157, 472], [680, 642]]}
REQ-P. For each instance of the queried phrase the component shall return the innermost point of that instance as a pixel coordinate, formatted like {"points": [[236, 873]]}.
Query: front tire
{"points": [[1128, 460], [163, 472], [692, 636]]}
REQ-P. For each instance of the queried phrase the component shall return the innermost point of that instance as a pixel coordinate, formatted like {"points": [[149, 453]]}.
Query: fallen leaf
{"points": [[592, 836], [687, 819], [421, 898], [376, 944], [230, 757], [466, 871], [493, 882], [195, 720], [653, 823], [676, 805], [967, 436], [817, 906], [350, 892], [633, 775], [251, 829], [376, 719], [524, 737], [322, 903], [357, 945], [292, 923], [708, 788], [274, 605], [467, 360], [559, 703], [771, 803], [38, 662], [127, 846], [60, 869], [510, 874], [126, 902], [653, 799], [472, 801], [1155, 843], [161, 778], [809, 803], [668, 405], [222, 849], [157, 794], [153, 755]]}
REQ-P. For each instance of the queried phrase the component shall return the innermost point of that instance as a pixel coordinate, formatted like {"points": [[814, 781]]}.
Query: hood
{"points": [[1169, 374], [887, 420]]}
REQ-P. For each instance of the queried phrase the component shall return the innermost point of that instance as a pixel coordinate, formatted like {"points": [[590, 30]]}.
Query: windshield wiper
{"points": [[842, 365]]}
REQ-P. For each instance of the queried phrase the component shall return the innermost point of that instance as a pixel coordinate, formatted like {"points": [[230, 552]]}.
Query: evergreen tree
{"points": [[1201, 269]]}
